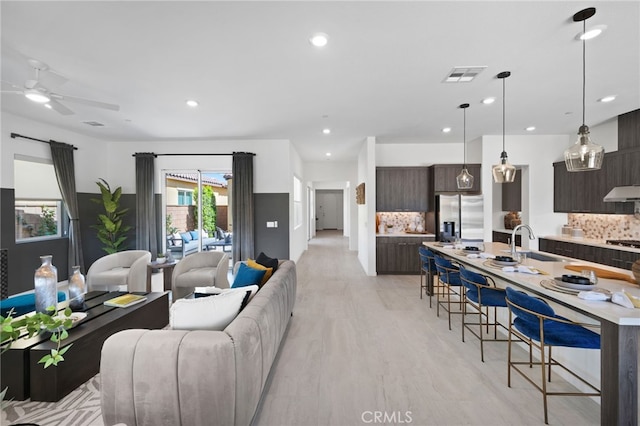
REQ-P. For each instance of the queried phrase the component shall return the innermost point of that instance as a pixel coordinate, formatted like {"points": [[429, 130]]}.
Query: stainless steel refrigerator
{"points": [[460, 214]]}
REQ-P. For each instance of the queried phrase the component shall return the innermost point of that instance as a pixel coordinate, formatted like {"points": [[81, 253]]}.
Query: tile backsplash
{"points": [[606, 226], [399, 222]]}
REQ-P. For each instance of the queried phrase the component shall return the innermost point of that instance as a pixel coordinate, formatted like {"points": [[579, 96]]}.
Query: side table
{"points": [[167, 269]]}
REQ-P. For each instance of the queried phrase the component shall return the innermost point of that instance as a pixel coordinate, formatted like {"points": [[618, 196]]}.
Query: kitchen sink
{"points": [[544, 257]]}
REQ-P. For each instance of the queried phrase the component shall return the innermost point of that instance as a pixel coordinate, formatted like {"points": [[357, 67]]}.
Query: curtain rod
{"points": [[17, 135], [189, 154]]}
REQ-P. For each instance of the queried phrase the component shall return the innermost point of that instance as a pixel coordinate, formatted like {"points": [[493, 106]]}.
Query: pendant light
{"points": [[464, 179], [503, 172], [584, 155]]}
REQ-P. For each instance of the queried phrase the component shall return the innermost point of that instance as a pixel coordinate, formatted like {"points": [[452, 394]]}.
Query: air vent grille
{"points": [[93, 123], [463, 74]]}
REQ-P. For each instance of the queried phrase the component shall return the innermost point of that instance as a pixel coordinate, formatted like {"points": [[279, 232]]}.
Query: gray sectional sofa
{"points": [[191, 378]]}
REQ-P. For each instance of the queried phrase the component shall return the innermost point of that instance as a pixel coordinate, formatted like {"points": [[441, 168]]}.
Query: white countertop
{"points": [[591, 242], [594, 309], [405, 234]]}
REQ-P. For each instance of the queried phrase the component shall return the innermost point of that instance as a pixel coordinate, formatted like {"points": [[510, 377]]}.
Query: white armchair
{"points": [[203, 269], [121, 271]]}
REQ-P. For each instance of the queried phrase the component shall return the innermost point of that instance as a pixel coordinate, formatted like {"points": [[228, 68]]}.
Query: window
{"points": [[38, 203], [37, 219], [297, 202], [185, 197]]}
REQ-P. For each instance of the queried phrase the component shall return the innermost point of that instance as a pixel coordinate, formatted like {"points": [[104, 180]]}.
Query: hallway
{"points": [[361, 346]]}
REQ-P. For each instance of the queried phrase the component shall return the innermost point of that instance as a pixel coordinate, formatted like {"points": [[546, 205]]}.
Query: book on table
{"points": [[125, 300]]}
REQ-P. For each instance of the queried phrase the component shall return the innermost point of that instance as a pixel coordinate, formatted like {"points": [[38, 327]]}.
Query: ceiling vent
{"points": [[463, 74], [93, 123]]}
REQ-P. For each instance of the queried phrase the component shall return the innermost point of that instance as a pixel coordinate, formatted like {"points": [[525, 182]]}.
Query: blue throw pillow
{"points": [[248, 276], [186, 237], [195, 235]]}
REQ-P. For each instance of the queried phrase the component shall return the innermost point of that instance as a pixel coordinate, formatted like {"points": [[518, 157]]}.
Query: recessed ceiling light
{"points": [[326, 131], [488, 101], [607, 98], [530, 128], [192, 103], [592, 32], [36, 96], [48, 106], [319, 39], [446, 130], [328, 154]]}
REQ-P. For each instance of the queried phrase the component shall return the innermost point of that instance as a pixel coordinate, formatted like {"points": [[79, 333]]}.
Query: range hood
{"points": [[623, 193]]}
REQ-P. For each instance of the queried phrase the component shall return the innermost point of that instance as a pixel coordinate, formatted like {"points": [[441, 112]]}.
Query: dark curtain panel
{"points": [[62, 156], [145, 209], [242, 206]]}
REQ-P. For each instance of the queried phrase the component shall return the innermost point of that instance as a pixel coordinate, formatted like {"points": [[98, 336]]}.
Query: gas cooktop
{"points": [[626, 243]]}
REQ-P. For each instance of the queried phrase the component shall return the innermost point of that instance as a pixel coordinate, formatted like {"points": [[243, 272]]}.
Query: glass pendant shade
{"points": [[584, 154], [503, 172], [464, 179]]}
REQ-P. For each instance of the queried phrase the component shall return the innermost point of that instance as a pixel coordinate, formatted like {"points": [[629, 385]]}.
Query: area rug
{"points": [[80, 408]]}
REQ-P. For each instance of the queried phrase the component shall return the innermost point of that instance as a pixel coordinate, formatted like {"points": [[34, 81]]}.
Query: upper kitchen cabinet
{"points": [[512, 194], [402, 189], [444, 178], [582, 192], [629, 130]]}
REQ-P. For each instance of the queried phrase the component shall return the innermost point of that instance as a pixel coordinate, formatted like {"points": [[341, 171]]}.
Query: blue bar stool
{"points": [[428, 270], [534, 321], [449, 278], [481, 294]]}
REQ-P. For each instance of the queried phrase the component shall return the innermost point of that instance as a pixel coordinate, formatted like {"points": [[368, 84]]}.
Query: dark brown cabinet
{"points": [[505, 237], [605, 256], [582, 192], [444, 178], [512, 194], [402, 189], [629, 130], [398, 255]]}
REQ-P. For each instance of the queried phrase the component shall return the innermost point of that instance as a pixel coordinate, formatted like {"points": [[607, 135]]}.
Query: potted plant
{"points": [[111, 231], [161, 258]]}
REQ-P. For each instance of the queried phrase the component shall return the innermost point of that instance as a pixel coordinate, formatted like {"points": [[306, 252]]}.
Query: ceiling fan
{"points": [[34, 90]]}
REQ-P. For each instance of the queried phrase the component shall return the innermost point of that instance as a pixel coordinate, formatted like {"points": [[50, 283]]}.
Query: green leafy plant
{"points": [[209, 209], [110, 229], [169, 225], [48, 225], [32, 325]]}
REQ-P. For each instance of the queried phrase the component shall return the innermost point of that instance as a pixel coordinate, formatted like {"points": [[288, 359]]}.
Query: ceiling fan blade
{"points": [[58, 107], [15, 86], [15, 92], [88, 102]]}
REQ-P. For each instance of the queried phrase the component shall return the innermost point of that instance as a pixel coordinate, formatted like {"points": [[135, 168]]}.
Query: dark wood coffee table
{"points": [[25, 378]]}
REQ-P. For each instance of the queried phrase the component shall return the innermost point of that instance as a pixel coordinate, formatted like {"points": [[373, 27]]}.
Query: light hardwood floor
{"points": [[358, 345]]}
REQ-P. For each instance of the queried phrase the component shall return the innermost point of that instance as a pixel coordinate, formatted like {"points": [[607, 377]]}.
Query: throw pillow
{"points": [[265, 260], [195, 235], [255, 265], [248, 276], [176, 239], [206, 313], [186, 236]]}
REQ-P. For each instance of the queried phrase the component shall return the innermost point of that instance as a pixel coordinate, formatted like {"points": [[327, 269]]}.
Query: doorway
{"points": [[329, 209]]}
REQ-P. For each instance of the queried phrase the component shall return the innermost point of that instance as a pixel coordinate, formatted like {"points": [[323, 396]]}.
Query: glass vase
{"points": [[77, 289], [46, 285]]}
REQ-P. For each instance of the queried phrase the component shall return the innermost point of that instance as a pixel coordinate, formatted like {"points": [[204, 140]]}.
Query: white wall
{"points": [[605, 134], [538, 153], [418, 154], [367, 211], [90, 158]]}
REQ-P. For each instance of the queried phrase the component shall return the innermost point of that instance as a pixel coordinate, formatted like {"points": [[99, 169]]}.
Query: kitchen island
{"points": [[620, 327]]}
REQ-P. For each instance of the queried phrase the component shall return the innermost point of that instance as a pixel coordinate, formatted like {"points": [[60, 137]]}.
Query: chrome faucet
{"points": [[513, 238]]}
